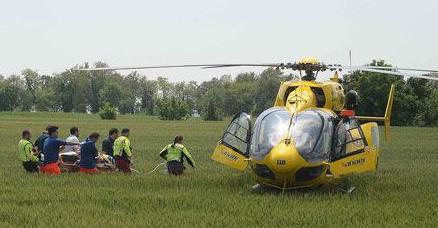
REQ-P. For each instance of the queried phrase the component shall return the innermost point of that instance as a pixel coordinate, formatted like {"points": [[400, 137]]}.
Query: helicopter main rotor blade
{"points": [[173, 66], [403, 69], [332, 67], [400, 74], [382, 68], [246, 65]]}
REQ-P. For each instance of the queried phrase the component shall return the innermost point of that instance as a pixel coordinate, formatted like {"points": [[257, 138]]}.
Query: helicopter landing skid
{"points": [[350, 190]]}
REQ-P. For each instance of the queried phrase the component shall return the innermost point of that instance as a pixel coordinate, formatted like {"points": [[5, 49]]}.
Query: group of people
{"points": [[43, 155]]}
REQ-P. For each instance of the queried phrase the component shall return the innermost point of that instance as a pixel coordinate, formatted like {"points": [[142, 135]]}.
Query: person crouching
{"points": [[51, 152], [89, 154], [27, 155], [123, 152], [174, 155]]}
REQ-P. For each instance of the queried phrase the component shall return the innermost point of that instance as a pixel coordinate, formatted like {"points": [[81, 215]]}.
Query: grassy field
{"points": [[403, 193]]}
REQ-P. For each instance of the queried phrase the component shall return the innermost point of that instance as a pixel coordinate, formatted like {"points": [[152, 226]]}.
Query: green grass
{"points": [[403, 193]]}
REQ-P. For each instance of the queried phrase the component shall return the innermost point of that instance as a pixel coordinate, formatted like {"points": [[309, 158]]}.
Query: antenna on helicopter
{"points": [[351, 65]]}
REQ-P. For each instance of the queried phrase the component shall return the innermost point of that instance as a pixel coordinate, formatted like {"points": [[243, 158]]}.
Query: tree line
{"points": [[415, 102]]}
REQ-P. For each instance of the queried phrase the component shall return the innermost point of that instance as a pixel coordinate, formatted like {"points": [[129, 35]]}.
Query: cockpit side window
{"points": [[349, 139], [237, 135]]}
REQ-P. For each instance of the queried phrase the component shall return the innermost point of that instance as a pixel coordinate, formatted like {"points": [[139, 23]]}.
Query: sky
{"points": [[53, 35]]}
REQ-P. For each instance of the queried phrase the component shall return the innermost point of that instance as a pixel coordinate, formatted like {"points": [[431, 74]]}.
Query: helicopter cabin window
{"points": [[270, 128], [349, 139], [237, 134], [312, 133]]}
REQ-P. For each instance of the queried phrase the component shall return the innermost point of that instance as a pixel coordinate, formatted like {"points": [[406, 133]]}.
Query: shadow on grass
{"points": [[345, 187]]}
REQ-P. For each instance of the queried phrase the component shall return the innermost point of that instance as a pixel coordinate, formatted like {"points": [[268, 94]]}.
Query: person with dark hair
{"points": [[123, 152], [73, 138], [89, 154], [26, 152], [108, 143], [174, 154], [51, 152], [39, 142]]}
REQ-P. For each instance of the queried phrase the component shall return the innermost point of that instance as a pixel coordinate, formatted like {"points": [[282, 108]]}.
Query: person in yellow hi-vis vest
{"points": [[123, 151], [174, 154], [25, 150]]}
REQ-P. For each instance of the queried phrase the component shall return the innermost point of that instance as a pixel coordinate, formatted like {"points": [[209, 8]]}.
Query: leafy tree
{"points": [[415, 100], [63, 87], [165, 87], [32, 80], [13, 95], [45, 100], [239, 94], [266, 89], [190, 95], [111, 93], [96, 82], [211, 104], [148, 93], [213, 112]]}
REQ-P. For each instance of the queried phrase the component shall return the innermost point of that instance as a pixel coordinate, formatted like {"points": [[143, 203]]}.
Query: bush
{"points": [[172, 109], [108, 112]]}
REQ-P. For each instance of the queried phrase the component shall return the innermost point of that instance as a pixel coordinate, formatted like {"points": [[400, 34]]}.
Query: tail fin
{"points": [[387, 118]]}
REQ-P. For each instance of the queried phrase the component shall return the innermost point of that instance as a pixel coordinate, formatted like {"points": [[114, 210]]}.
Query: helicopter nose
{"points": [[283, 158]]}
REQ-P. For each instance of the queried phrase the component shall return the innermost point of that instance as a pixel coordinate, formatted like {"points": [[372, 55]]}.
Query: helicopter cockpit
{"points": [[310, 131]]}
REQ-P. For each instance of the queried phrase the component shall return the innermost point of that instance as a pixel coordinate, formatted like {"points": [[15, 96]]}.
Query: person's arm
{"points": [[127, 147], [29, 153], [77, 148], [188, 157], [70, 143], [163, 153], [95, 152], [106, 146], [37, 142]]}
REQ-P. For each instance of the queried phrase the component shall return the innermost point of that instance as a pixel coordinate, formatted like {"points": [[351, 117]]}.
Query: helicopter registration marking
{"points": [[354, 162], [281, 162], [232, 157]]}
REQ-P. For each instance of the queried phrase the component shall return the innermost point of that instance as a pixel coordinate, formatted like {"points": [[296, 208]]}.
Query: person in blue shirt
{"points": [[39, 142], [51, 152], [89, 154]]}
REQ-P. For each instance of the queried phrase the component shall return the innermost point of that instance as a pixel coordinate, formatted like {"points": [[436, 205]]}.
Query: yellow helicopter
{"points": [[307, 139], [311, 136]]}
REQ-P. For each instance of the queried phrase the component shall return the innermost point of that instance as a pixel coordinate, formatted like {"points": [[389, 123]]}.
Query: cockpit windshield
{"points": [[311, 131], [270, 127]]}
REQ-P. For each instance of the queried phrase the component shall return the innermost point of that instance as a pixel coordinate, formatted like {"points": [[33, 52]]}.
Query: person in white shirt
{"points": [[73, 138]]}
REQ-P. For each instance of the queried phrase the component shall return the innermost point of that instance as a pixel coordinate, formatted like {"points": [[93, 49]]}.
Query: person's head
{"points": [[113, 133], [26, 134], [47, 128], [125, 132], [74, 131], [178, 139], [94, 136], [53, 131]]}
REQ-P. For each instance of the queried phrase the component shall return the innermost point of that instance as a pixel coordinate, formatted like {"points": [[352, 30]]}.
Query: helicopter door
{"points": [[351, 153], [233, 148]]}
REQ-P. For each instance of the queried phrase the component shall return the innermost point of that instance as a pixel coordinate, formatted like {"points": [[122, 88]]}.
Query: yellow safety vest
{"points": [[122, 146], [25, 151], [175, 152]]}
